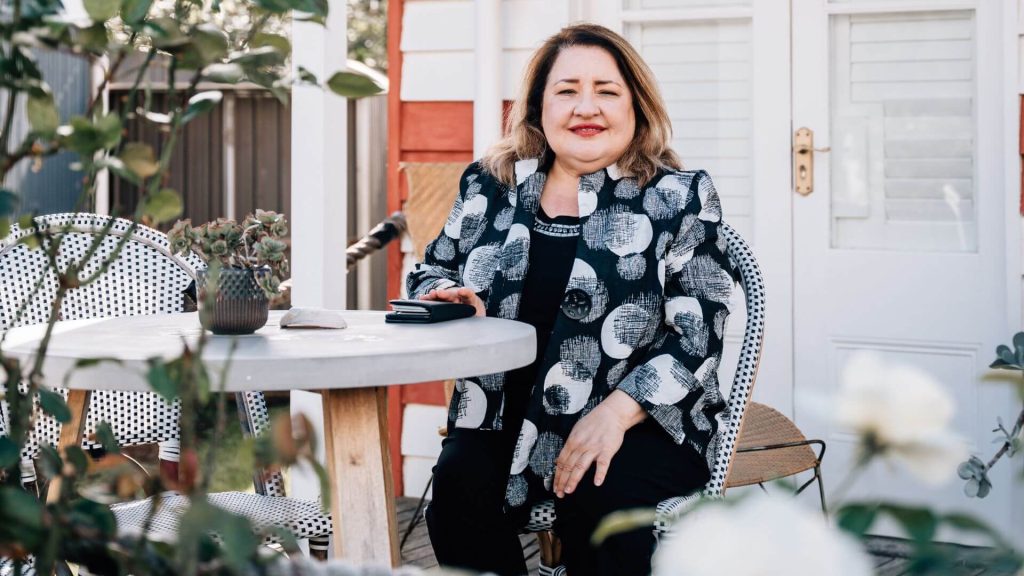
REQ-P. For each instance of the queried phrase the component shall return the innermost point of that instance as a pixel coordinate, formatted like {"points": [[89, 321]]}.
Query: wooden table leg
{"points": [[359, 463], [70, 434]]}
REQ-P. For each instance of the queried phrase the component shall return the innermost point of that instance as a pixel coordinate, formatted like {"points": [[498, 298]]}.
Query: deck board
{"points": [[889, 555]]}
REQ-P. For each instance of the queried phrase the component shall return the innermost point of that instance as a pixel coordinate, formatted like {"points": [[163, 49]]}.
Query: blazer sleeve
{"points": [[676, 381], [440, 268]]}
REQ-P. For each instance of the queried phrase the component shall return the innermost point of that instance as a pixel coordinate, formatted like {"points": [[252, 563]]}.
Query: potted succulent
{"points": [[246, 264]]}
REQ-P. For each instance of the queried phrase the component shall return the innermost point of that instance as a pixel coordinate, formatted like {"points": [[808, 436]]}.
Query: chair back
{"points": [[143, 278], [731, 418]]}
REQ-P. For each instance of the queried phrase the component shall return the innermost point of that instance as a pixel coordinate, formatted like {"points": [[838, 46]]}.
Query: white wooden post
{"points": [[319, 178], [487, 99]]}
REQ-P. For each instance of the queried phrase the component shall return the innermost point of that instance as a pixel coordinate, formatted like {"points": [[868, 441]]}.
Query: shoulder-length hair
{"points": [[649, 150]]}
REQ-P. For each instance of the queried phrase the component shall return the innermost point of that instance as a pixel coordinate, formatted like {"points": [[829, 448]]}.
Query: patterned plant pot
{"points": [[241, 306]]}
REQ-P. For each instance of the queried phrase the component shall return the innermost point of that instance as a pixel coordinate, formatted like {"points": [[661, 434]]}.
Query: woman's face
{"points": [[587, 116]]}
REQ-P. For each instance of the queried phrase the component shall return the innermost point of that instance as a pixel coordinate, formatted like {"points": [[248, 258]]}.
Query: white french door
{"points": [[900, 248]]}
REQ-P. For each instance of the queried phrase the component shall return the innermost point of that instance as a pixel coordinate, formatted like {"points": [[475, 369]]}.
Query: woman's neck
{"points": [[560, 195]]}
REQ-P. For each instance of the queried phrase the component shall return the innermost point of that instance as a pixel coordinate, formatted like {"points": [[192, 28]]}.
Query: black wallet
{"points": [[427, 311]]}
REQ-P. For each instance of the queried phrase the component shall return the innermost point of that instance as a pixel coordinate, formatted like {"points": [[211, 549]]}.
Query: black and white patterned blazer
{"points": [[644, 310]]}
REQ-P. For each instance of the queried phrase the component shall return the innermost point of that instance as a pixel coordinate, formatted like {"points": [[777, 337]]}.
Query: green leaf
{"points": [[325, 484], [140, 159], [162, 206], [105, 436], [201, 104], [42, 114], [9, 453], [19, 508], [307, 77], [102, 10], [276, 41], [54, 405], [239, 541], [115, 165], [85, 137], [75, 456], [86, 515], [160, 380], [5, 226], [258, 58], [622, 521], [353, 85], [317, 8], [224, 73], [8, 202], [166, 33], [857, 518], [94, 39], [134, 11], [920, 523]]}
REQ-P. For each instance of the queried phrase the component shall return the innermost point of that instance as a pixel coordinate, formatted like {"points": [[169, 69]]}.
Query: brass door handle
{"points": [[803, 160]]}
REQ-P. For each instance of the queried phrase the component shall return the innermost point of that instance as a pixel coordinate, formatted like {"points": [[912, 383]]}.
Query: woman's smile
{"points": [[587, 130]]}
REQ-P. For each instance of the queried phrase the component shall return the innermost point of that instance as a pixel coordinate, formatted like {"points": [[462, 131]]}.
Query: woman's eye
{"points": [[567, 91], [608, 93]]}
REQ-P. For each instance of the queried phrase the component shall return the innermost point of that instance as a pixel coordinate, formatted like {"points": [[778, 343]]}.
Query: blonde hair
{"points": [[649, 150]]}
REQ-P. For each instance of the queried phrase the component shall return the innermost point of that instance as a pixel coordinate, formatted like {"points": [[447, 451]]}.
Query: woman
{"points": [[580, 223]]}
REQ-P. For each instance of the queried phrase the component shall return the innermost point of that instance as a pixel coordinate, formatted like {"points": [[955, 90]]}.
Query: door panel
{"points": [[900, 249]]}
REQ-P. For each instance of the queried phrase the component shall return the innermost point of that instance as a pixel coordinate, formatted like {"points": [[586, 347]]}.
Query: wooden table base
{"points": [[359, 464]]}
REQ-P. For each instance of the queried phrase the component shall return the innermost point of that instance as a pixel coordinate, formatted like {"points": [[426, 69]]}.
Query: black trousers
{"points": [[469, 528]]}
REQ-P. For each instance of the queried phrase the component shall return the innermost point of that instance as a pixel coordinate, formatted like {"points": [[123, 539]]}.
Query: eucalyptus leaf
{"points": [[276, 41], [54, 405], [21, 509], [162, 206], [307, 77], [9, 453], [166, 33], [102, 10], [42, 114], [160, 380], [140, 159], [105, 436], [201, 104], [134, 11], [258, 57], [89, 514], [8, 202], [118, 167], [353, 85], [919, 523], [5, 226], [857, 518], [75, 456], [224, 73]]}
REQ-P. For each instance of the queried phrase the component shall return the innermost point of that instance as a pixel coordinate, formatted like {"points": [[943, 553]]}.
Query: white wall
{"points": [[438, 38]]}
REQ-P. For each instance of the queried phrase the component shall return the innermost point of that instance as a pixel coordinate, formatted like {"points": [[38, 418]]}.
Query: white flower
{"points": [[758, 536], [901, 413]]}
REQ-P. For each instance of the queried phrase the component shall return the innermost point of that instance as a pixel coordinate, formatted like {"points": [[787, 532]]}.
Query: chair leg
{"points": [[550, 554], [821, 489], [417, 515], [318, 546]]}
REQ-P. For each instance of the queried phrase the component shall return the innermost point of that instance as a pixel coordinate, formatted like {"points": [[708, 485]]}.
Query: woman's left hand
{"points": [[594, 440]]}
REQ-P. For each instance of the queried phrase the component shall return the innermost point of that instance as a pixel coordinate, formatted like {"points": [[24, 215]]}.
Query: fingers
{"points": [[570, 470], [602, 463]]}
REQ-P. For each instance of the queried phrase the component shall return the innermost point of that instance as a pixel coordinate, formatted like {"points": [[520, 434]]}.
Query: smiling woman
{"points": [[581, 224]]}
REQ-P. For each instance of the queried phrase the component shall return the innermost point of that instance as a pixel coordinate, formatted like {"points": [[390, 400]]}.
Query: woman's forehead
{"points": [[585, 64]]}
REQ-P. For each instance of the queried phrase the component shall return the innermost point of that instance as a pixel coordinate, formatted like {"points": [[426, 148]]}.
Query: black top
{"points": [[552, 252]]}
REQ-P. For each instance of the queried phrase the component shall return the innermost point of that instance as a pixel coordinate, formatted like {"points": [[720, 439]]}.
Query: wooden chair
{"points": [[771, 447], [542, 516], [145, 278]]}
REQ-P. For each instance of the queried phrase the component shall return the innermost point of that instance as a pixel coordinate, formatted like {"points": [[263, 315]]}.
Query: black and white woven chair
{"points": [[144, 279], [542, 516]]}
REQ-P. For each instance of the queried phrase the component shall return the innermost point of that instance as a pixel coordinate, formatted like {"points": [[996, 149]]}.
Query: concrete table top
{"points": [[369, 352]]}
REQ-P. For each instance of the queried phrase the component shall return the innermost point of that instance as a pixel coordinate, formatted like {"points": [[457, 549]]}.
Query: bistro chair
{"points": [[770, 447], [144, 279], [542, 515]]}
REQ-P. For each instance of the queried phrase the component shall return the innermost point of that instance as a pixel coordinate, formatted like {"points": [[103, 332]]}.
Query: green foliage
{"points": [[257, 243], [353, 85]]}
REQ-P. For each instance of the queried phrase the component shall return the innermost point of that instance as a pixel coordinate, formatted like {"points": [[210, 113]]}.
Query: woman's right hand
{"points": [[461, 295]]}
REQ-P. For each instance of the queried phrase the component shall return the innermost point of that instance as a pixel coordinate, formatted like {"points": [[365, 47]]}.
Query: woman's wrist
{"points": [[627, 412]]}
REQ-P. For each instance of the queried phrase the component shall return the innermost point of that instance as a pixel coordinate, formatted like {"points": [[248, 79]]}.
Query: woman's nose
{"points": [[586, 105]]}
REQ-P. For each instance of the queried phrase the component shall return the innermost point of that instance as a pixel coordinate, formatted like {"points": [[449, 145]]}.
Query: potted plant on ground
{"points": [[246, 265]]}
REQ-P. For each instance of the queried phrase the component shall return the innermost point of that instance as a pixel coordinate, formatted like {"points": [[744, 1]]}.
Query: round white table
{"points": [[350, 367]]}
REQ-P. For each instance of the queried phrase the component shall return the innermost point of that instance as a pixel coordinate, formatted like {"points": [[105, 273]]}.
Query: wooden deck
{"points": [[889, 554]]}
